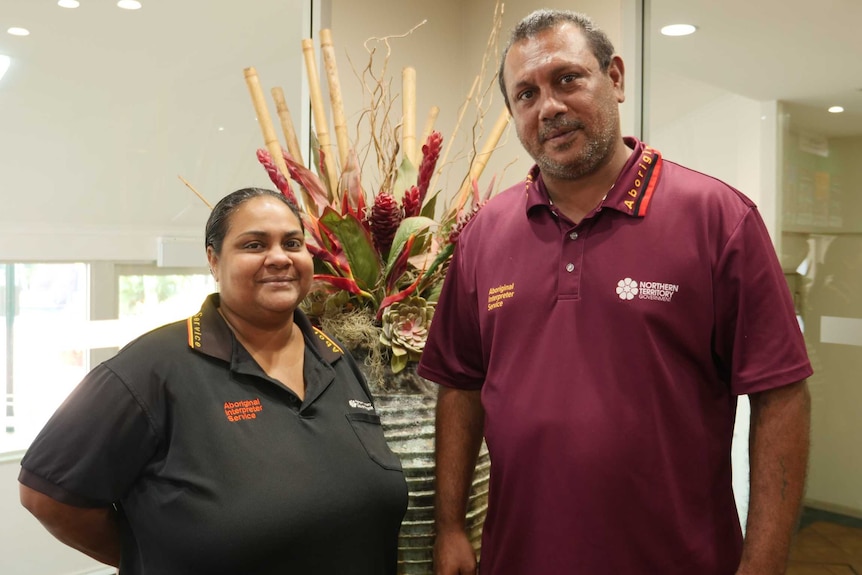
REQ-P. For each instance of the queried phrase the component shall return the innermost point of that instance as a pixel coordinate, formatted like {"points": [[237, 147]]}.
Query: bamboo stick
{"points": [[338, 121], [287, 127], [481, 159], [319, 112], [429, 125], [442, 161], [270, 139], [293, 148], [408, 113], [197, 193]]}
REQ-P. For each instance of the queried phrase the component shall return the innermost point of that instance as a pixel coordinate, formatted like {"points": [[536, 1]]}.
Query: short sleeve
{"points": [[757, 335], [94, 446], [453, 354]]}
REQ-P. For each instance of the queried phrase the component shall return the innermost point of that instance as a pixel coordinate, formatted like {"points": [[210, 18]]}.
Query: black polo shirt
{"points": [[218, 468]]}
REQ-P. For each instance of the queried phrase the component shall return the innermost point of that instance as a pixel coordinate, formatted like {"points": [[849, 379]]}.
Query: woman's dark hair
{"points": [[540, 20], [219, 220]]}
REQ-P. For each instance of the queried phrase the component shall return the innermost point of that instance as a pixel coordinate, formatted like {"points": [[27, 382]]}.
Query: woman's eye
{"points": [[253, 246], [294, 244]]}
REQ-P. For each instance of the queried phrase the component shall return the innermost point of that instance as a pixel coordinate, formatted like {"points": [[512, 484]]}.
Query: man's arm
{"points": [[778, 455], [92, 531], [460, 420]]}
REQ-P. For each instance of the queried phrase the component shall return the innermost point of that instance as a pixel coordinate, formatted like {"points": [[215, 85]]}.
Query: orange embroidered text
{"points": [[242, 410]]}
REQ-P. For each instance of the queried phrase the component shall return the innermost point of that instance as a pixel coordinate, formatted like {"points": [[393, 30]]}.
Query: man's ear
{"points": [[617, 73]]}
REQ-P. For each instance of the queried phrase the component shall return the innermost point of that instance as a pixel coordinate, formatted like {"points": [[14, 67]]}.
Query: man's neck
{"points": [[575, 198]]}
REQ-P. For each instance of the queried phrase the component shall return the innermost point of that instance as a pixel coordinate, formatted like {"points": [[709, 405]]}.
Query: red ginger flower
{"points": [[265, 158], [430, 153], [411, 203], [463, 219], [385, 218]]}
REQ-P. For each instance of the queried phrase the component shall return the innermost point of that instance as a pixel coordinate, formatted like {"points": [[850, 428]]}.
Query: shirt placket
{"points": [[571, 260]]}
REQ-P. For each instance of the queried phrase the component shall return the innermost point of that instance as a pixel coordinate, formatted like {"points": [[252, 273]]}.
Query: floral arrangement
{"points": [[380, 256]]}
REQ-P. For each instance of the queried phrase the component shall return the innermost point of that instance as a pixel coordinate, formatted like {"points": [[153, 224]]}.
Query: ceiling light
{"points": [[678, 29], [129, 4], [68, 3], [836, 109], [18, 31], [4, 64]]}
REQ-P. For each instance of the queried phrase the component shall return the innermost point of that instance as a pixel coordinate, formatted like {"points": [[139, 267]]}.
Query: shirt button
{"points": [[570, 267], [573, 235]]}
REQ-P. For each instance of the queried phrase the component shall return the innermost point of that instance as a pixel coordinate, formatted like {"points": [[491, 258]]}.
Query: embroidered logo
{"points": [[498, 295], [356, 404], [629, 289], [242, 410]]}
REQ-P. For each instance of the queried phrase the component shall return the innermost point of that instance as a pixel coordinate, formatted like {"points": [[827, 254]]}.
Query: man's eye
{"points": [[525, 95], [568, 79]]}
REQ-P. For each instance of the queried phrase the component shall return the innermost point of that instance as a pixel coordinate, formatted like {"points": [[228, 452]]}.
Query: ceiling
{"points": [[796, 51], [99, 97]]}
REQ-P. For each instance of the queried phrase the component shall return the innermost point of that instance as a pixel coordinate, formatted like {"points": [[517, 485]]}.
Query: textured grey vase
{"points": [[408, 423]]}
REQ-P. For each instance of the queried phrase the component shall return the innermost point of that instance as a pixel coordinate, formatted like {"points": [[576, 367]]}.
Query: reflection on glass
{"points": [[821, 249]]}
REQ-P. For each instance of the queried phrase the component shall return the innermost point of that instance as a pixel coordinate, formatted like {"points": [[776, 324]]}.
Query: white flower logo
{"points": [[627, 289]]}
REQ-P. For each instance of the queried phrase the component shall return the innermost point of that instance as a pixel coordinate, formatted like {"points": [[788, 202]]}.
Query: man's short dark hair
{"points": [[542, 20]]}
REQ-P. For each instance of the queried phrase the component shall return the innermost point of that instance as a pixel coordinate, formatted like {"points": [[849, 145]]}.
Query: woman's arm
{"points": [[92, 531]]}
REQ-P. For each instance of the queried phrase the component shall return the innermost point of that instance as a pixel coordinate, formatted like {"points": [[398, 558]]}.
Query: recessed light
{"points": [[678, 29], [129, 4], [836, 109], [4, 64], [15, 31], [68, 3]]}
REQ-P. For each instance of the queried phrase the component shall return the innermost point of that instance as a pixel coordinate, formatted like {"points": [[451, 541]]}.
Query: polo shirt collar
{"points": [[208, 333], [631, 193]]}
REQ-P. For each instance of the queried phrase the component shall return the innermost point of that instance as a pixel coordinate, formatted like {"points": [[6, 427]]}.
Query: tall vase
{"points": [[408, 424]]}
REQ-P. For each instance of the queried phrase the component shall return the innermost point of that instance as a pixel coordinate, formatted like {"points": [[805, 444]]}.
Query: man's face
{"points": [[566, 109]]}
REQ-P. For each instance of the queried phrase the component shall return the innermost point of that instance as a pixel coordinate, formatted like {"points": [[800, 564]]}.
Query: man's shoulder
{"points": [[699, 186]]}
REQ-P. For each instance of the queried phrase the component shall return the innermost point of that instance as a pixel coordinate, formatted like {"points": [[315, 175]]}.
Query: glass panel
{"points": [[821, 247], [44, 310]]}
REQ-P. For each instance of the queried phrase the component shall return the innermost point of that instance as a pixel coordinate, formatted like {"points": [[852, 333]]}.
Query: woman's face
{"points": [[264, 269]]}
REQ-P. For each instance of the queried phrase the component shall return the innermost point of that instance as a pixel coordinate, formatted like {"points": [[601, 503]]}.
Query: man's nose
{"points": [[551, 107]]}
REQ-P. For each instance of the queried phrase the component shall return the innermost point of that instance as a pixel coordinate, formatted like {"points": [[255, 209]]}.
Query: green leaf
{"points": [[409, 226], [430, 207], [357, 245], [407, 176], [399, 360]]}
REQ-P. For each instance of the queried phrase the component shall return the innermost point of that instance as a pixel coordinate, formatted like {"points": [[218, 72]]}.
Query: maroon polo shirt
{"points": [[610, 354]]}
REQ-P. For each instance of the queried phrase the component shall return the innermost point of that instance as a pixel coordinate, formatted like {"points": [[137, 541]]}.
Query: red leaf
{"points": [[391, 299]]}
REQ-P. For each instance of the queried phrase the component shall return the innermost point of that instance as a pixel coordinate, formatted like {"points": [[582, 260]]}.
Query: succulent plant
{"points": [[405, 328]]}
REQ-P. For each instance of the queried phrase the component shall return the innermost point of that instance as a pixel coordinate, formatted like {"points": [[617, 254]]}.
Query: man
{"points": [[597, 323]]}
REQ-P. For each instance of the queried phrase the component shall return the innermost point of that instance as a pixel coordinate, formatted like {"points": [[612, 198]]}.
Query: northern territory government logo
{"points": [[629, 289]]}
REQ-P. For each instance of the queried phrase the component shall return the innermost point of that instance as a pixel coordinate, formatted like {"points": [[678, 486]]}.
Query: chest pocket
{"points": [[368, 429]]}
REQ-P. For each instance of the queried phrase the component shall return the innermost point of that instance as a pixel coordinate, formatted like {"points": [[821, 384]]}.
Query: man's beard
{"points": [[595, 151]]}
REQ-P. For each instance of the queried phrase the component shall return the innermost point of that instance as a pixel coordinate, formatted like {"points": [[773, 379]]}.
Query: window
{"points": [[42, 358], [49, 340]]}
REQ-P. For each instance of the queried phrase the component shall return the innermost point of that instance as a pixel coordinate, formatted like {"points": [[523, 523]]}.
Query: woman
{"points": [[242, 440]]}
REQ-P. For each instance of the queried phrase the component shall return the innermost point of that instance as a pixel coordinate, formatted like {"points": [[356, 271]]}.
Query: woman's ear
{"points": [[212, 259]]}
